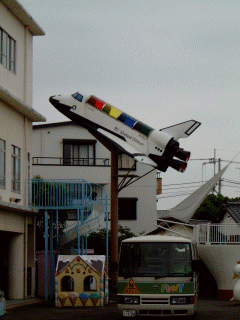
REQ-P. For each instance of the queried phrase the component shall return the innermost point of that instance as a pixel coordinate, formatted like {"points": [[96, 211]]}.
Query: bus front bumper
{"points": [[148, 308]]}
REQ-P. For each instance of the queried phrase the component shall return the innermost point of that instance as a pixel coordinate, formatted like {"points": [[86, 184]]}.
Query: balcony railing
{"points": [[56, 161], [210, 233]]}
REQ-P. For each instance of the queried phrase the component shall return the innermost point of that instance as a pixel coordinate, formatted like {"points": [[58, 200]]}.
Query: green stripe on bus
{"points": [[160, 288]]}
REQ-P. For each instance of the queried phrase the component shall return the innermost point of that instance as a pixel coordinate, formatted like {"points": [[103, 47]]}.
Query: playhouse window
{"points": [[90, 284], [67, 284]]}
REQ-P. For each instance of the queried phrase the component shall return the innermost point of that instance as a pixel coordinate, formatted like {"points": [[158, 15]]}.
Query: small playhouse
{"points": [[81, 280]]}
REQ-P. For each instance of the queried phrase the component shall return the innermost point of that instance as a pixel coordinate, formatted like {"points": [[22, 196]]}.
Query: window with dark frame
{"points": [[16, 169], [7, 51], [127, 208], [79, 152], [2, 163]]}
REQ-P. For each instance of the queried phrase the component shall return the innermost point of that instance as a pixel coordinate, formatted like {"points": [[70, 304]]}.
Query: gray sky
{"points": [[161, 61]]}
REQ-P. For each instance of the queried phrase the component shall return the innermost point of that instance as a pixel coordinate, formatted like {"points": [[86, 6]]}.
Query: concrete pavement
{"points": [[207, 309]]}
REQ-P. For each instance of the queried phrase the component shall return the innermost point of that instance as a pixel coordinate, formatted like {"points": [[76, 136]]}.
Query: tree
{"points": [[40, 230], [212, 208], [39, 200], [97, 239]]}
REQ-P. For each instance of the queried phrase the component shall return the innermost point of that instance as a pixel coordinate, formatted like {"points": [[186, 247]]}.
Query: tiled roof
{"points": [[233, 208]]}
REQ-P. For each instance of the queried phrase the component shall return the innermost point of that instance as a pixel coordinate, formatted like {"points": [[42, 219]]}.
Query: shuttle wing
{"points": [[182, 130], [127, 148]]}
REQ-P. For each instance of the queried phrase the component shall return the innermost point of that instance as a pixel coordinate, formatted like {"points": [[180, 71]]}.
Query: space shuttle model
{"points": [[113, 127]]}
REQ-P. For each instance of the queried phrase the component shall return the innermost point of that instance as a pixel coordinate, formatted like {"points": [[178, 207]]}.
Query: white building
{"points": [[17, 220], [67, 151]]}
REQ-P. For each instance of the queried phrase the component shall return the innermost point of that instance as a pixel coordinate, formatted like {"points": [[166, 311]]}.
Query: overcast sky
{"points": [[161, 61]]}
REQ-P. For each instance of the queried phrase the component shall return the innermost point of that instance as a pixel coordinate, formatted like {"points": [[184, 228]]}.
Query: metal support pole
{"points": [[82, 237], [114, 219], [46, 254], [107, 232], [78, 232], [51, 257], [57, 231]]}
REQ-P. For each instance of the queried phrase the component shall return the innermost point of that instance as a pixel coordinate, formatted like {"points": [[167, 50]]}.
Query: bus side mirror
{"points": [[196, 265]]}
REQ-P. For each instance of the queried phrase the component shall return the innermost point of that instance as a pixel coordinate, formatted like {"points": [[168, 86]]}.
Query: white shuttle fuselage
{"points": [[131, 136]]}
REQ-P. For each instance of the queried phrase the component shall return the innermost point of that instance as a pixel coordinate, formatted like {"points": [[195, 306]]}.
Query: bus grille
{"points": [[154, 300]]}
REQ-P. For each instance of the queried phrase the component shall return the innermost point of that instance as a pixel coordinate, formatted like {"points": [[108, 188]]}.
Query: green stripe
{"points": [[160, 288]]}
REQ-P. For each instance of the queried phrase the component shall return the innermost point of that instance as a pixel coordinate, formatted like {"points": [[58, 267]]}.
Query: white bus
{"points": [[157, 276]]}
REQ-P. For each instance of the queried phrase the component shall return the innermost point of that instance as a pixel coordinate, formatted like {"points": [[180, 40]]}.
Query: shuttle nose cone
{"points": [[51, 99]]}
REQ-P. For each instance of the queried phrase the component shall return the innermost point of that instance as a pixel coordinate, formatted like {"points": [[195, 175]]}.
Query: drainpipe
{"points": [[25, 255]]}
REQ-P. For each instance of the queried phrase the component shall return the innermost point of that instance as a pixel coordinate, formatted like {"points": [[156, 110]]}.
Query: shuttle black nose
{"points": [[51, 98]]}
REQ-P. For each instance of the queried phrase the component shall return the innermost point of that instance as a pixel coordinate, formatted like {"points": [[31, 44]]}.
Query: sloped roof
{"points": [[233, 208], [96, 262]]}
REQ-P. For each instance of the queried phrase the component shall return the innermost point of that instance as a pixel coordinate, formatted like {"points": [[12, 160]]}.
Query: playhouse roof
{"points": [[96, 262]]}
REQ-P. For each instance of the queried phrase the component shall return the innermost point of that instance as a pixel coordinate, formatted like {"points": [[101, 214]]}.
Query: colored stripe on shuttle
{"points": [[143, 128], [129, 121], [95, 102], [119, 115]]}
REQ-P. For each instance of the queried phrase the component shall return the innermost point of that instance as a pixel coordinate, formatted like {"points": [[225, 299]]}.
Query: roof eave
{"points": [[18, 208], [20, 106], [23, 16]]}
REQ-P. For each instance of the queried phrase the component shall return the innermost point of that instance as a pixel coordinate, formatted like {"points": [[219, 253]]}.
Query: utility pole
{"points": [[219, 182], [214, 161]]}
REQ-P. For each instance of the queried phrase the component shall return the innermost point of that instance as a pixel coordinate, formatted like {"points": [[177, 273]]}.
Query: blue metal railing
{"points": [[59, 194], [89, 199]]}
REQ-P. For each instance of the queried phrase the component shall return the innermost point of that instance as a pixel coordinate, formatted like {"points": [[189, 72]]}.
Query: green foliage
{"points": [[40, 230], [97, 239], [212, 208]]}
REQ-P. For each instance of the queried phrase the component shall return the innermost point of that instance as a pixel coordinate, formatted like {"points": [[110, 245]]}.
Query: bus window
{"points": [[180, 259]]}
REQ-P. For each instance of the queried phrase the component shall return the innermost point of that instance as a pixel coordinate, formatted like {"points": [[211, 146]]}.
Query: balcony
{"points": [[210, 233], [56, 161]]}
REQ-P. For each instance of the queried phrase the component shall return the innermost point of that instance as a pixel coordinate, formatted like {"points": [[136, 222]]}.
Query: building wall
{"points": [[17, 221], [16, 130], [48, 142], [20, 83]]}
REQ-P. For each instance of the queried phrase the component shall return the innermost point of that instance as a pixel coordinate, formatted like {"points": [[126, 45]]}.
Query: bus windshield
{"points": [[155, 259]]}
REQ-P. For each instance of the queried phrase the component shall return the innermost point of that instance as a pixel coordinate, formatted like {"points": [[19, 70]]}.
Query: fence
{"points": [[210, 233]]}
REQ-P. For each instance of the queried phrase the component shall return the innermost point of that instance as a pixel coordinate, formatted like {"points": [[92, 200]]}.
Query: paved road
{"points": [[206, 310]]}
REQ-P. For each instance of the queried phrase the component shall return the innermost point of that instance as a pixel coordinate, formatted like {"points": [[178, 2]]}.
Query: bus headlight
{"points": [[180, 300], [130, 300]]}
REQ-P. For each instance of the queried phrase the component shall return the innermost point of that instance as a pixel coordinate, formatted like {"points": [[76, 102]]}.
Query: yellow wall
{"points": [[78, 271]]}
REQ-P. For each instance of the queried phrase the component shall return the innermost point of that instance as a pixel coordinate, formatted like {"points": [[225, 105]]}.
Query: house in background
{"points": [[65, 150], [17, 219]]}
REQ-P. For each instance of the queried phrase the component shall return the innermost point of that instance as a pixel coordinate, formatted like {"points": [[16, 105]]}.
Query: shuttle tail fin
{"points": [[182, 130]]}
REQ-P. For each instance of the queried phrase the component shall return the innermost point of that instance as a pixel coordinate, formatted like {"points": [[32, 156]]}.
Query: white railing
{"points": [[209, 233]]}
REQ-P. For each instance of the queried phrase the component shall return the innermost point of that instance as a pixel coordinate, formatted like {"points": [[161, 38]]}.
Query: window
{"points": [[127, 208], [156, 259], [79, 152], [2, 163], [67, 284], [7, 51], [77, 96], [125, 162], [90, 284], [16, 165]]}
